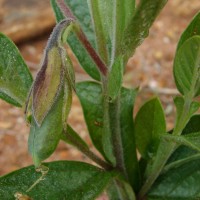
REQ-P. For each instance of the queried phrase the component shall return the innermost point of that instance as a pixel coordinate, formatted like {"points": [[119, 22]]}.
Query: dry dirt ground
{"points": [[150, 68]]}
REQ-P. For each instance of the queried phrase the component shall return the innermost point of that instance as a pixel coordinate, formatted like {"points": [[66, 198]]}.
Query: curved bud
{"points": [[51, 96], [47, 85], [49, 79]]}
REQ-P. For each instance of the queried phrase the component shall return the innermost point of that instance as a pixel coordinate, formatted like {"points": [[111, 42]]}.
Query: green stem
{"points": [[164, 151], [112, 129], [87, 151], [114, 111]]}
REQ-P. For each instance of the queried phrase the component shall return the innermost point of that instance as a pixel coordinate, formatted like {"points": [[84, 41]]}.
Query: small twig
{"points": [[82, 37], [87, 152], [102, 67]]}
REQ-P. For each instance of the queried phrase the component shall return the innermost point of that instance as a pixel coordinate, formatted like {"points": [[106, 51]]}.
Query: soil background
{"points": [[29, 24]]}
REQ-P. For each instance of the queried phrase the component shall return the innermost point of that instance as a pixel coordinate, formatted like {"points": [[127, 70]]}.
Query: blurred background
{"points": [[29, 23]]}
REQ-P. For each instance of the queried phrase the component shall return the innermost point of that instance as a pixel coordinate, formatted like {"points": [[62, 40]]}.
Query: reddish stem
{"points": [[82, 37], [102, 67], [65, 9]]}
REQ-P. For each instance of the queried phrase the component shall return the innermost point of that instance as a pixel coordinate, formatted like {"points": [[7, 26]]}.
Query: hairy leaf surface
{"points": [[149, 125], [187, 67], [15, 77], [65, 180], [139, 25]]}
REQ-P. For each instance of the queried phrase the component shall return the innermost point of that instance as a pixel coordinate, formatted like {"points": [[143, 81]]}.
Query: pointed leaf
{"points": [[15, 77], [64, 180], [139, 25], [180, 183], [192, 30], [186, 67], [149, 124], [123, 12], [81, 11], [102, 36], [110, 20]]}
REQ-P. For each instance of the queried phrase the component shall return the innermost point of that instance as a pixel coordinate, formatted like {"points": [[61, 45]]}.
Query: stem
{"points": [[165, 150], [87, 152], [82, 37], [114, 111], [112, 129], [100, 64]]}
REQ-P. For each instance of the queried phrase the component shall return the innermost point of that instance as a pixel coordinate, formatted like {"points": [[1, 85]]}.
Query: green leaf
{"points": [[192, 30], [186, 67], [81, 11], [139, 25], [65, 180], [44, 139], [102, 35], [149, 125], [120, 190], [127, 135], [90, 96], [123, 12], [180, 183], [181, 157], [115, 79], [110, 20], [15, 77]]}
